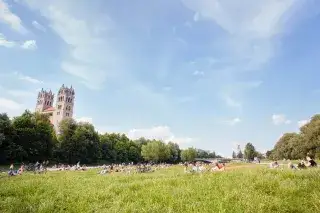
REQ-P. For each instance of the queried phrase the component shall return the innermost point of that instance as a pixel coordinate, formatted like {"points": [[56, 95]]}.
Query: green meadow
{"points": [[244, 189]]}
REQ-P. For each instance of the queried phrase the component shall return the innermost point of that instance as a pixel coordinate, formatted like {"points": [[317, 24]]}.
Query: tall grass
{"points": [[167, 190]]}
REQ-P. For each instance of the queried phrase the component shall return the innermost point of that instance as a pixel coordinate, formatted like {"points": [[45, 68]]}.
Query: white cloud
{"points": [[233, 122], [279, 119], [38, 26], [198, 73], [27, 78], [85, 119], [29, 45], [7, 17], [302, 123], [7, 104], [251, 25], [6, 43], [91, 56], [163, 133]]}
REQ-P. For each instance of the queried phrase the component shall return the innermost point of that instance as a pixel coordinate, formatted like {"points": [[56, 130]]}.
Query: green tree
{"points": [[234, 155], [240, 155], [188, 154], [269, 154], [174, 152], [289, 146], [155, 151], [33, 137], [86, 143], [249, 151], [68, 149], [6, 139], [213, 155], [311, 137]]}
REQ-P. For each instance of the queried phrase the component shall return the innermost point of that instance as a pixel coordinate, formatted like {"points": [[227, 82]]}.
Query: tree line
{"points": [[298, 145], [249, 154], [31, 137]]}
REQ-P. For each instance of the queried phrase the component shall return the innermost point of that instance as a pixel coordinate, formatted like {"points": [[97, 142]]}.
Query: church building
{"points": [[64, 105]]}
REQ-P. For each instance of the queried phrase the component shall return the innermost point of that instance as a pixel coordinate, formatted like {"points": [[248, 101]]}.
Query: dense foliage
{"points": [[31, 137], [299, 145]]}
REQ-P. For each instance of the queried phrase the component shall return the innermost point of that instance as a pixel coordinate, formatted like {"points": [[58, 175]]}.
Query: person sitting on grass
{"points": [[301, 165], [274, 165], [11, 171], [311, 162], [185, 167], [218, 167]]}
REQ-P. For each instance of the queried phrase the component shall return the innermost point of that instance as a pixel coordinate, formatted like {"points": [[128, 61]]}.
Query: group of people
{"points": [[13, 172], [303, 164], [36, 168], [197, 167], [131, 168], [67, 167]]}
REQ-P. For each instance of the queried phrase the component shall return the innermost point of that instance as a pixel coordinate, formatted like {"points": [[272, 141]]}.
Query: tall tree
{"points": [[234, 155], [240, 155], [86, 144], [7, 147], [68, 148], [174, 152], [188, 154], [249, 151], [33, 136], [155, 151], [287, 146], [311, 136]]}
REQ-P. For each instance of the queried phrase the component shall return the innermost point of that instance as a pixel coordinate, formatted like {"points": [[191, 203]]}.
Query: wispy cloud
{"points": [[38, 26], [91, 56], [198, 73], [233, 121], [29, 45], [21, 93], [27, 78], [251, 29], [7, 104], [6, 43], [8, 17], [163, 133], [279, 119]]}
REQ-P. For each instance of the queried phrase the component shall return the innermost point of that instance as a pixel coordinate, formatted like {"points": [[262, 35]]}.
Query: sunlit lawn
{"points": [[245, 189]]}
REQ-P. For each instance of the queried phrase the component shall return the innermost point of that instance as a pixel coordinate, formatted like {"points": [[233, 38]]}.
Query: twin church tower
{"points": [[63, 107]]}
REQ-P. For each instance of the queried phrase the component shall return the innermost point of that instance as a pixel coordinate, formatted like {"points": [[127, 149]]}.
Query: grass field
{"points": [[242, 188]]}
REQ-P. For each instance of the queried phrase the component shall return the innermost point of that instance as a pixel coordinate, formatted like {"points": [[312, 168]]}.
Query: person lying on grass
{"points": [[292, 166]]}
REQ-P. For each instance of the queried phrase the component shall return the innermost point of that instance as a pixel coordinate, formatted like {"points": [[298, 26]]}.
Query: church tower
{"points": [[44, 101], [64, 105]]}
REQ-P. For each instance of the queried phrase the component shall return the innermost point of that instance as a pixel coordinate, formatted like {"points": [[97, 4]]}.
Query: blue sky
{"points": [[209, 74]]}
